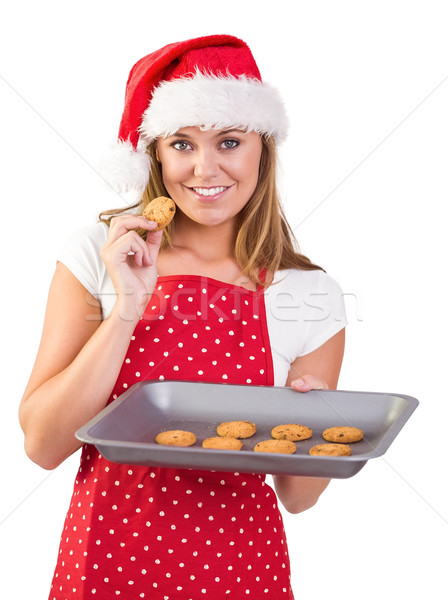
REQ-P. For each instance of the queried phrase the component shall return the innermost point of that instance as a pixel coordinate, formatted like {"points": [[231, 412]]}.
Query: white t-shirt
{"points": [[304, 309]]}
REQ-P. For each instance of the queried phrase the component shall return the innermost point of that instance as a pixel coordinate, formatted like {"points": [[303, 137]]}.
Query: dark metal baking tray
{"points": [[124, 431]]}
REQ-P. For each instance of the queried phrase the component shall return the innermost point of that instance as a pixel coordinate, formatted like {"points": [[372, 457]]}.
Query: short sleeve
{"points": [[304, 309], [81, 255], [324, 314]]}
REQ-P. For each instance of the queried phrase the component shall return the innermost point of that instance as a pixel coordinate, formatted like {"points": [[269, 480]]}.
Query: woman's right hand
{"points": [[132, 262], [80, 355]]}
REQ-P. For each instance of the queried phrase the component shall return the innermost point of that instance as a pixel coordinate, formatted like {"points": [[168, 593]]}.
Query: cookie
{"points": [[176, 437], [277, 446], [236, 429], [344, 435], [330, 450], [161, 210], [292, 432], [222, 443]]}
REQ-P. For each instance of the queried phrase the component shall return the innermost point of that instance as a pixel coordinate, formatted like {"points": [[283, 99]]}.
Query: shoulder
{"points": [[92, 236], [84, 245], [81, 255], [298, 279], [295, 287]]}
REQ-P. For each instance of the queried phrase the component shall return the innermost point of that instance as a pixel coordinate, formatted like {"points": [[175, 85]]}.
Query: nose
{"points": [[206, 165]]}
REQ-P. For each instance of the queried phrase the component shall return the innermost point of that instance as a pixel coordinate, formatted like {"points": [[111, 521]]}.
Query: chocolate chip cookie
{"points": [[330, 450], [176, 437], [161, 210], [344, 435], [236, 429], [277, 446], [222, 443], [292, 432]]}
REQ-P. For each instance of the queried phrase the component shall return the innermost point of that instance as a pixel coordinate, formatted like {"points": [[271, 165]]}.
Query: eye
{"points": [[182, 145], [230, 143]]}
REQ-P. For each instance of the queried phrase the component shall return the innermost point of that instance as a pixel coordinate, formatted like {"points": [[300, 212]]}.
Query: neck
{"points": [[209, 243], [203, 250]]}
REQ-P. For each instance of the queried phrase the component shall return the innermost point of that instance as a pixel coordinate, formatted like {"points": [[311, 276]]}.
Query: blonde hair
{"points": [[264, 239]]}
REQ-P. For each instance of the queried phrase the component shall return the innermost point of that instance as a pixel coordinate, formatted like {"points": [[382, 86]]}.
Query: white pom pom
{"points": [[125, 169]]}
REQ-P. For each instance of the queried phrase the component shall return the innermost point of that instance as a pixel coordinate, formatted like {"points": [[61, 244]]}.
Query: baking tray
{"points": [[124, 431]]}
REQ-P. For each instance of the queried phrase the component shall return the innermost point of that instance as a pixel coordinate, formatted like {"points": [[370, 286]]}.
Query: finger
{"points": [[309, 382], [154, 238], [125, 223], [153, 241], [300, 385], [129, 244]]}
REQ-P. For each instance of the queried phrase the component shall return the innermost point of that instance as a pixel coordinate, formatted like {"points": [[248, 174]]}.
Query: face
{"points": [[210, 174]]}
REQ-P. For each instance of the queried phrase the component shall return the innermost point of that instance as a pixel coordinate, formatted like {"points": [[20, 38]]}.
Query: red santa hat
{"points": [[209, 82]]}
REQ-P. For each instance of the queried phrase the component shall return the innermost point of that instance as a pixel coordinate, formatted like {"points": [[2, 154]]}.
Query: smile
{"points": [[209, 191]]}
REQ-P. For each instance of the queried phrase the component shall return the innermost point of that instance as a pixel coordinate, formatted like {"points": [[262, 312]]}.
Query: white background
{"points": [[365, 187]]}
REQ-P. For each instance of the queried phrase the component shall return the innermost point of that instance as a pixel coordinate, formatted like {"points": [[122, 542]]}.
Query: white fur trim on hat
{"points": [[125, 169], [214, 102]]}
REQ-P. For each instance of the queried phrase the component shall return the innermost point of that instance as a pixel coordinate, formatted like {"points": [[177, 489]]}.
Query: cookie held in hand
{"points": [[161, 210]]}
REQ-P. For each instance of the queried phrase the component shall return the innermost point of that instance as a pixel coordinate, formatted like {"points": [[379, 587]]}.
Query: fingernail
{"points": [[298, 382]]}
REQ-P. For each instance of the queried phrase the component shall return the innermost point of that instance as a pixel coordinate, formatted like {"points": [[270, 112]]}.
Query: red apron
{"points": [[135, 532]]}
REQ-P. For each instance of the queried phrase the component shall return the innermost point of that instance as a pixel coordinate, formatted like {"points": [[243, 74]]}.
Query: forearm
{"points": [[52, 413], [299, 493], [317, 370]]}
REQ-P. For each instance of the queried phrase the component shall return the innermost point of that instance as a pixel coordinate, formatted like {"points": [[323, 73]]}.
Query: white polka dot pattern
{"points": [[139, 532]]}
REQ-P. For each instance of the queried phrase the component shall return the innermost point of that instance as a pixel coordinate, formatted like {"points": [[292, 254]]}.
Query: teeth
{"points": [[209, 191]]}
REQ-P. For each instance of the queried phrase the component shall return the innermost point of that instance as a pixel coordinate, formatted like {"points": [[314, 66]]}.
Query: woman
{"points": [[202, 301]]}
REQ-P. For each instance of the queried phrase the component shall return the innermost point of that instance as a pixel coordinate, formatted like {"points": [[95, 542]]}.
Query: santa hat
{"points": [[209, 82]]}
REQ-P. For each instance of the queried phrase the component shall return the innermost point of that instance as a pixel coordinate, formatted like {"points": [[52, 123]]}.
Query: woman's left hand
{"points": [[309, 382], [299, 493]]}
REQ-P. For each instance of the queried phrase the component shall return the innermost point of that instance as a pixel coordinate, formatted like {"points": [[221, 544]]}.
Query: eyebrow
{"points": [[224, 132]]}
